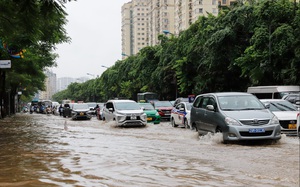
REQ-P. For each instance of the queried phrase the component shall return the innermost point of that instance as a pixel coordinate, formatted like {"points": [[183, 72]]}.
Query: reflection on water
{"points": [[41, 150]]}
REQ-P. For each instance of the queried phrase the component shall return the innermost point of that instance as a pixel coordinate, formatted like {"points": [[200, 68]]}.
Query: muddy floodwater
{"points": [[47, 150]]}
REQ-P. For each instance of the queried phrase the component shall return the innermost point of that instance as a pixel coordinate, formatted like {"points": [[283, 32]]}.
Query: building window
{"points": [[214, 2], [199, 10], [200, 2], [224, 2]]}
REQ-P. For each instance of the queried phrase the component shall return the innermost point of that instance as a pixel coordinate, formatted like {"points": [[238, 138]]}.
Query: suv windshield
{"points": [[240, 102], [80, 106], [163, 104], [127, 106]]}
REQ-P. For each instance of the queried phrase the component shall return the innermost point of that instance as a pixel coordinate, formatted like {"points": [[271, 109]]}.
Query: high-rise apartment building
{"points": [[187, 12], [144, 20], [50, 86], [134, 26], [161, 18], [127, 31]]}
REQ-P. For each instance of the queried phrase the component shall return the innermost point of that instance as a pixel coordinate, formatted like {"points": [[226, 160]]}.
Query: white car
{"points": [[298, 124], [180, 115], [285, 112], [124, 113]]}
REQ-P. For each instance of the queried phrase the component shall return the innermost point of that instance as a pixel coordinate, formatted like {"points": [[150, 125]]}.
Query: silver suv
{"points": [[124, 113], [238, 116]]}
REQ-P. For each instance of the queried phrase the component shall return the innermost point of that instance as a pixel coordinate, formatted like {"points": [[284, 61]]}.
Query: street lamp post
{"points": [[104, 66]]}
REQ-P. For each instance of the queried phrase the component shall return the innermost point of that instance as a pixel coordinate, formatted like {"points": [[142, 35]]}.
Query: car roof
{"points": [[121, 100], [227, 93], [274, 100]]}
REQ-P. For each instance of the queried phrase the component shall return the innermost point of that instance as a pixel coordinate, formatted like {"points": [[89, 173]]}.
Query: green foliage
{"points": [[251, 43], [35, 26]]}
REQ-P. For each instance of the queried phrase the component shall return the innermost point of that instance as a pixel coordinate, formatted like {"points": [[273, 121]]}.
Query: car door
{"points": [[197, 112], [175, 113], [209, 123], [108, 113], [180, 114]]}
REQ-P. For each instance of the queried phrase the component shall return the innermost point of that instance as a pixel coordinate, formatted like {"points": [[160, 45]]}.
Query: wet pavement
{"points": [[47, 150]]}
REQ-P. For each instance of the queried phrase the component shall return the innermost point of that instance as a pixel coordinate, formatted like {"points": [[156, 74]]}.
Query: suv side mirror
{"points": [[111, 109], [210, 107]]}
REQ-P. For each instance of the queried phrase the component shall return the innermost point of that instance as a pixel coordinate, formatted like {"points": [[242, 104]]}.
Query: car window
{"points": [[109, 105], [80, 106], [197, 102], [177, 106], [147, 106], [127, 106], [204, 102], [238, 102]]}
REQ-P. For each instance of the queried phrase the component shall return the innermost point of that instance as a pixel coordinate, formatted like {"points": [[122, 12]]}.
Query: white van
{"points": [[272, 92]]}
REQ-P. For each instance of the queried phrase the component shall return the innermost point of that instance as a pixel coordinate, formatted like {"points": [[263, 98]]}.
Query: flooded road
{"points": [[47, 150]]}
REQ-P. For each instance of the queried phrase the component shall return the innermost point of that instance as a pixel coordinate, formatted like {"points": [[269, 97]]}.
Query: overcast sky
{"points": [[94, 27]]}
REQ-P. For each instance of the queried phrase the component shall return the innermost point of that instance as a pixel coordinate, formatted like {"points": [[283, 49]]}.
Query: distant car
{"points": [[180, 115], [124, 113], [237, 115], [92, 106], [285, 112], [164, 109], [152, 114], [298, 124], [81, 111]]}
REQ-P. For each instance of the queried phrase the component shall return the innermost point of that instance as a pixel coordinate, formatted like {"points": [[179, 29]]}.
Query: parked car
{"points": [[152, 114], [164, 109], [124, 113], [81, 111], [180, 115], [285, 112], [293, 98], [298, 124], [237, 115]]}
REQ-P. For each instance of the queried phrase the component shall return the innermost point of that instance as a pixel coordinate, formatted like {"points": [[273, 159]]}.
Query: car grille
{"points": [[136, 123], [129, 118], [255, 122], [166, 111], [267, 133], [285, 124]]}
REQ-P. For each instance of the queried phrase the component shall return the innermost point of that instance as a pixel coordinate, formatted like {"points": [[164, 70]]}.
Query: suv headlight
{"points": [[143, 117], [231, 121], [274, 120], [120, 117]]}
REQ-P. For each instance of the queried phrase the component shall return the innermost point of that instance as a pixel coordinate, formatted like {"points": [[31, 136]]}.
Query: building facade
{"points": [[144, 20], [50, 86]]}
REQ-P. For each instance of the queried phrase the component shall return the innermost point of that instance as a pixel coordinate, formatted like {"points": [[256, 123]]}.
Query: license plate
{"points": [[149, 119], [256, 130], [81, 114], [292, 126], [133, 117]]}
